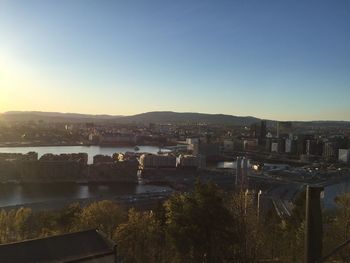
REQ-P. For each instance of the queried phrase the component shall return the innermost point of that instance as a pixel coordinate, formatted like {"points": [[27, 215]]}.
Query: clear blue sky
{"points": [[271, 59]]}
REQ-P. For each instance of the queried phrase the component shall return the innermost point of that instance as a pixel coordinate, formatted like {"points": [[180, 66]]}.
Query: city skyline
{"points": [[271, 60]]}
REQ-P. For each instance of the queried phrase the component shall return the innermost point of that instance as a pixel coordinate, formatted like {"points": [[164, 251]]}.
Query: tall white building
{"points": [[274, 147], [192, 143], [288, 145], [344, 155]]}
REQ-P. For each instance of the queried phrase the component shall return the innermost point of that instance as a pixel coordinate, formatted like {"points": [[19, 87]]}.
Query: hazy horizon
{"points": [[120, 115], [271, 60]]}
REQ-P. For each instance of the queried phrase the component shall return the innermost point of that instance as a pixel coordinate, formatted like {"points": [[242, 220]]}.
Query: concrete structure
{"points": [[157, 161], [190, 161], [329, 150], [192, 140], [288, 145], [192, 143], [67, 168], [30, 156], [209, 150], [263, 130], [250, 144], [102, 159], [228, 145], [120, 171], [81, 158], [274, 147], [126, 156], [344, 155]]}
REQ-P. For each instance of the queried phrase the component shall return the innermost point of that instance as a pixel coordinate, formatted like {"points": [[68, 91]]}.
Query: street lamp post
{"points": [[258, 207], [245, 201]]}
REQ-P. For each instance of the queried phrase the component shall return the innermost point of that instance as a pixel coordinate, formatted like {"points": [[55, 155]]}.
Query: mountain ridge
{"points": [[148, 117]]}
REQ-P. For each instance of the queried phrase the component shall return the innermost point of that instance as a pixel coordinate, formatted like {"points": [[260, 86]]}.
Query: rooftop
{"points": [[61, 248]]}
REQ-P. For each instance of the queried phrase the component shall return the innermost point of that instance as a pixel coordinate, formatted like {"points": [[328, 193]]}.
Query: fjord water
{"points": [[16, 194], [13, 194]]}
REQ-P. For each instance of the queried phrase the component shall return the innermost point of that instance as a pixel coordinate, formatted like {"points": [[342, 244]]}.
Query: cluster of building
{"points": [[81, 158], [309, 146], [65, 168], [112, 138], [171, 161], [120, 167], [281, 140], [30, 156]]}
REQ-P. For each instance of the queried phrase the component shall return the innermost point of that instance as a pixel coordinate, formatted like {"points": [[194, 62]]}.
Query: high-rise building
{"points": [[274, 147], [284, 128], [263, 132], [313, 147], [329, 150], [344, 155], [254, 130], [290, 146]]}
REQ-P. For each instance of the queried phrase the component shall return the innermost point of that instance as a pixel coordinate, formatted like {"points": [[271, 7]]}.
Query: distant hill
{"points": [[19, 116], [322, 124], [183, 117], [149, 117], [156, 117]]}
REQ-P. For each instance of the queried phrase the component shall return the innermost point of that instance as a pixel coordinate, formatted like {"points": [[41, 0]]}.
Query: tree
{"points": [[3, 226], [294, 232], [199, 225], [104, 215], [69, 218], [249, 233], [272, 231], [337, 229], [22, 223], [343, 215], [141, 238]]}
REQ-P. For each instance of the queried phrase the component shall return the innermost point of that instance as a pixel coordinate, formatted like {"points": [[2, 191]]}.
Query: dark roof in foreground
{"points": [[60, 248]]}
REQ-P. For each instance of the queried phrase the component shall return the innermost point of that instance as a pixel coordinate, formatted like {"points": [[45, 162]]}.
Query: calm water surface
{"points": [[31, 193], [21, 194], [11, 194]]}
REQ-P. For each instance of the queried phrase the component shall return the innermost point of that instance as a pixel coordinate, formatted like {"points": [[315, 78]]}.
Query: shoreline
{"points": [[143, 200], [14, 145], [71, 183]]}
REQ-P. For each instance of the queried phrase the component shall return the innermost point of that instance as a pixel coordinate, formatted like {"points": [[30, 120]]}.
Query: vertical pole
{"points": [[313, 225], [238, 171], [258, 208], [246, 201], [115, 254]]}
